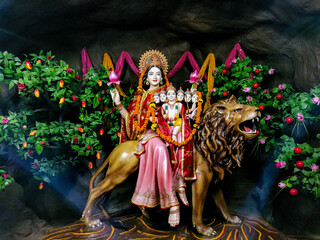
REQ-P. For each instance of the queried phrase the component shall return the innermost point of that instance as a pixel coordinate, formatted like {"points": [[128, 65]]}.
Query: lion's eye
{"points": [[221, 108], [238, 110]]}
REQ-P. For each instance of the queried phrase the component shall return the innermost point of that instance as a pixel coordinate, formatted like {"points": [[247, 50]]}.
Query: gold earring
{"points": [[161, 82], [147, 83]]}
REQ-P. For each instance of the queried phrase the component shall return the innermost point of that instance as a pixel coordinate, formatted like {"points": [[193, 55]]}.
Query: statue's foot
{"points": [[205, 230], [174, 216], [234, 219], [183, 196]]}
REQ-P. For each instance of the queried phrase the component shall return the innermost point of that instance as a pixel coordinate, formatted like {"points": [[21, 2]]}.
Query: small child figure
{"points": [[180, 95], [163, 96]]}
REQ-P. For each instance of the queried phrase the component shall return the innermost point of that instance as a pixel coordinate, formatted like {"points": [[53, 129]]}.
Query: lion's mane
{"points": [[217, 140]]}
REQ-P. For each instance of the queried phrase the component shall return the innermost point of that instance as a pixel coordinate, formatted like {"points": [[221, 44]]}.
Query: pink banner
{"points": [[233, 54], [86, 63], [119, 65]]}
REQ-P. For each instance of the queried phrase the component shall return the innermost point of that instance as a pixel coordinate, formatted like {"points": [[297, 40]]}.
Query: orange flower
{"points": [[80, 129], [33, 132], [98, 155], [37, 93], [41, 186], [90, 165]]}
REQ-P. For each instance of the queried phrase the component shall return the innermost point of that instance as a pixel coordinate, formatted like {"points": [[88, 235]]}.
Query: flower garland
{"points": [[196, 126], [151, 111]]}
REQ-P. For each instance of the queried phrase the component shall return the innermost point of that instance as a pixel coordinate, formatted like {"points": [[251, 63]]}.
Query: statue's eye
{"points": [[238, 110], [221, 108]]}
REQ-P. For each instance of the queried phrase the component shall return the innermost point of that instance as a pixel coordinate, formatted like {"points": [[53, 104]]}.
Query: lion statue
{"points": [[218, 147]]}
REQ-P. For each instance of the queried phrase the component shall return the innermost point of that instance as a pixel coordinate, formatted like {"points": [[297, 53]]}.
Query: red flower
{"points": [[77, 76], [224, 94], [99, 99], [88, 147], [112, 110], [224, 71], [43, 143], [258, 132], [49, 58], [69, 70], [257, 71], [21, 86], [261, 107], [75, 140], [74, 98]]}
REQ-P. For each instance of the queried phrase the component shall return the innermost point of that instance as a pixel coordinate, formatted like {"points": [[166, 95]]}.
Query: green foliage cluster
{"points": [[44, 131]]}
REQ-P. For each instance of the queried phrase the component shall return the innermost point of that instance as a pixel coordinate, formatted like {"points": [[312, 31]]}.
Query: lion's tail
{"points": [[104, 164]]}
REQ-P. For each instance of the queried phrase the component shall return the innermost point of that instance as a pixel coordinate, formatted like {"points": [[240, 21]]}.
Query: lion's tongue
{"points": [[247, 129]]}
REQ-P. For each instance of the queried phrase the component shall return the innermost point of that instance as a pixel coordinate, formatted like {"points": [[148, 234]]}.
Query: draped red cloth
{"points": [[86, 63]]}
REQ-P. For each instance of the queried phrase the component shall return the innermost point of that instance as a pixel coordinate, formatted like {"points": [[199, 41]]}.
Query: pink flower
{"points": [[280, 164], [77, 76], [4, 120], [262, 141], [194, 78], [5, 175], [316, 100], [246, 90], [213, 90], [271, 71], [266, 91], [24, 126], [69, 70], [314, 167], [234, 61], [35, 165], [300, 116], [281, 185], [215, 71], [113, 79], [268, 117], [281, 86], [249, 98]]}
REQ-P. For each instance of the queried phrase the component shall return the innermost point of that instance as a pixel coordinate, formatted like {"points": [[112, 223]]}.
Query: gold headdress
{"points": [[155, 58], [180, 90], [171, 88]]}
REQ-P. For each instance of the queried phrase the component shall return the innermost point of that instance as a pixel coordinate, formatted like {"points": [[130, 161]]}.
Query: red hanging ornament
{"points": [[297, 150], [289, 120], [293, 191]]}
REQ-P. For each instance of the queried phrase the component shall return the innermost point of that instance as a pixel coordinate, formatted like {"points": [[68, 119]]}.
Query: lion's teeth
{"points": [[257, 119]]}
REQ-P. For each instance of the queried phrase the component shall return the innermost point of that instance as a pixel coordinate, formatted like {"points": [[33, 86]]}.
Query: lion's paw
{"points": [[234, 219]]}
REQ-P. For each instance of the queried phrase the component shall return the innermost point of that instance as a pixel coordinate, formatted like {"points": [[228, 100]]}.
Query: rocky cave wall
{"points": [[283, 34]]}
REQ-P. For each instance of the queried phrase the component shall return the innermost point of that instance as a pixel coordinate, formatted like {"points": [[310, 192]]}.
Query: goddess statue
{"points": [[155, 183]]}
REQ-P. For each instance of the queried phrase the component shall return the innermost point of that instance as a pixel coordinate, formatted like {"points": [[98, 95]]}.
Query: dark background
{"points": [[283, 34]]}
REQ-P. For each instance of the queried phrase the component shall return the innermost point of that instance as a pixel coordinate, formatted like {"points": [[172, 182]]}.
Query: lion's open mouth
{"points": [[249, 126]]}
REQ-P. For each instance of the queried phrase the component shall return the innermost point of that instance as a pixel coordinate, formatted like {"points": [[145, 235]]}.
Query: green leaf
{"points": [[38, 147]]}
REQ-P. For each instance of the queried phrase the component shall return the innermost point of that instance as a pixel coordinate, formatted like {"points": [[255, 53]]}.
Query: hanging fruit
{"points": [[83, 104], [88, 147], [90, 165], [293, 191], [33, 132], [98, 155], [279, 96], [261, 107], [224, 94], [101, 131], [300, 164], [37, 93], [61, 100], [28, 65], [257, 71], [255, 85], [41, 186], [80, 129], [25, 144], [224, 71], [297, 150], [100, 83], [289, 120], [258, 132], [61, 83]]}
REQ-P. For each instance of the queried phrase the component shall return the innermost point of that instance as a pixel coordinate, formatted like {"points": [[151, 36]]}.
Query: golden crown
{"points": [[153, 58]]}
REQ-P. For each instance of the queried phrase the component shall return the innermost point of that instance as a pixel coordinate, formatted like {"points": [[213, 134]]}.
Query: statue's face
{"points": [[156, 99], [195, 98], [180, 96], [171, 95], [154, 76], [163, 97], [187, 97]]}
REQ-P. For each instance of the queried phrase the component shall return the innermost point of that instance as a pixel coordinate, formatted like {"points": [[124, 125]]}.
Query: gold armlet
{"points": [[119, 106]]}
